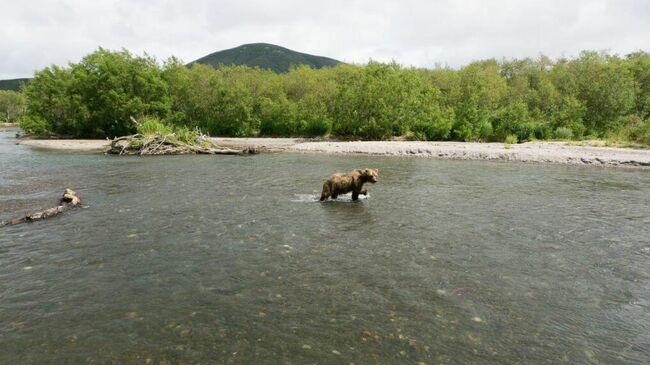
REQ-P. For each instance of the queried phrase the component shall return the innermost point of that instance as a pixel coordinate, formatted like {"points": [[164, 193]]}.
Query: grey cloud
{"points": [[35, 34]]}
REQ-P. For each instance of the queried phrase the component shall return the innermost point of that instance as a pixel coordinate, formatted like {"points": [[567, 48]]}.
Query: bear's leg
{"points": [[326, 192], [363, 191], [355, 195], [334, 193]]}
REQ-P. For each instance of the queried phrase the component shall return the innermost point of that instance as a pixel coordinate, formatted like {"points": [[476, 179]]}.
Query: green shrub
{"points": [[443, 121], [152, 126], [437, 129], [542, 130], [485, 131], [420, 131], [511, 139], [513, 119], [524, 131], [563, 133], [318, 127], [34, 125], [97, 96], [189, 136], [277, 118], [468, 119], [641, 133], [569, 113], [462, 131], [374, 130], [178, 118], [578, 129]]}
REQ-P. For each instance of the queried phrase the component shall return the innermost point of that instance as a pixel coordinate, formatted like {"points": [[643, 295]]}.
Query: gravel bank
{"points": [[532, 152]]}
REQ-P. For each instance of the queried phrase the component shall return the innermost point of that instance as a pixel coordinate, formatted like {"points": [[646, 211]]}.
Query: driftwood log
{"points": [[159, 144], [69, 200]]}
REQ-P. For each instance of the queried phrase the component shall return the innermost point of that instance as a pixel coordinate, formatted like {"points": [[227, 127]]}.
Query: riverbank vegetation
{"points": [[156, 138], [596, 95], [12, 106]]}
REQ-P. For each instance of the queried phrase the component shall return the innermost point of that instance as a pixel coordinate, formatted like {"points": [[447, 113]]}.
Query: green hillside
{"points": [[268, 56], [263, 55], [13, 84]]}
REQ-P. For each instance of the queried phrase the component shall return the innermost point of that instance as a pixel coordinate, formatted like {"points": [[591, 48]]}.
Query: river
{"points": [[227, 259]]}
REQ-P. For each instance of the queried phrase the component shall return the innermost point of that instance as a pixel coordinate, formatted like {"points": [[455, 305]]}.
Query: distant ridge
{"points": [[13, 84], [264, 55]]}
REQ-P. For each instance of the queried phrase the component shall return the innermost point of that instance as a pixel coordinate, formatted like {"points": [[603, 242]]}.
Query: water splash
{"points": [[311, 198], [305, 198]]}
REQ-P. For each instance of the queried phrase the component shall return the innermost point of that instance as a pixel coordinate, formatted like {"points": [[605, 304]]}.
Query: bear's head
{"points": [[370, 175]]}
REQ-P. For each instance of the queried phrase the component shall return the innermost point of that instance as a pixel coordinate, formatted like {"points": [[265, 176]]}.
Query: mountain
{"points": [[13, 84], [264, 55]]}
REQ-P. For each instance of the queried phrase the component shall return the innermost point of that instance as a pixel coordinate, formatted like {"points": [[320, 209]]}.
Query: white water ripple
{"points": [[311, 198]]}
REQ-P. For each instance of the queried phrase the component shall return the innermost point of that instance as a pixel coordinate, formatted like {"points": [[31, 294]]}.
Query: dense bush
{"points": [[97, 96], [34, 125], [595, 95], [318, 127], [641, 132], [563, 133], [436, 126]]}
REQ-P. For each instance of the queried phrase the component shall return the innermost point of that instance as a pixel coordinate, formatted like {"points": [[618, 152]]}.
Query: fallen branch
{"points": [[159, 144], [169, 144], [69, 200]]}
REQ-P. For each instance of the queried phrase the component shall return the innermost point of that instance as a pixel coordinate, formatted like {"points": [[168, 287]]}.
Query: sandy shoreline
{"points": [[531, 152], [77, 145]]}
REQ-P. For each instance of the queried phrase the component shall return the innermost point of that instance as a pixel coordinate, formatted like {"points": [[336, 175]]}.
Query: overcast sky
{"points": [[35, 34]]}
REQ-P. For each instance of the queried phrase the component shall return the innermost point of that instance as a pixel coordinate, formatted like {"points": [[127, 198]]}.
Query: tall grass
{"points": [[151, 126]]}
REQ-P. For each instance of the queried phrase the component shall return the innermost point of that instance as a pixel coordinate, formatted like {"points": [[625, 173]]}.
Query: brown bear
{"points": [[351, 182]]}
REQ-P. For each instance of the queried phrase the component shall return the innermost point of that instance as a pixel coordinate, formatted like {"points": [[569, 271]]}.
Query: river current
{"points": [[225, 259]]}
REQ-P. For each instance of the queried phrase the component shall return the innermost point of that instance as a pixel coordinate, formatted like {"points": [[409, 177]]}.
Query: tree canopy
{"points": [[595, 95]]}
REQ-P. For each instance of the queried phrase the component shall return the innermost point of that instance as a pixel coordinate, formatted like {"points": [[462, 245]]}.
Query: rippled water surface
{"points": [[201, 260]]}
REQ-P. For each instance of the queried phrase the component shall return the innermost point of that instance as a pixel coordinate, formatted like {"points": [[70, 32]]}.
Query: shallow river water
{"points": [[202, 260]]}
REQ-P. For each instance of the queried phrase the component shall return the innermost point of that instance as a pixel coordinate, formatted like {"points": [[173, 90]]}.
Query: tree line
{"points": [[594, 95], [12, 106]]}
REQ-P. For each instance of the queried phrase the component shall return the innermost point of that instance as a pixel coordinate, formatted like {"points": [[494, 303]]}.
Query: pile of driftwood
{"points": [[69, 200], [169, 144]]}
